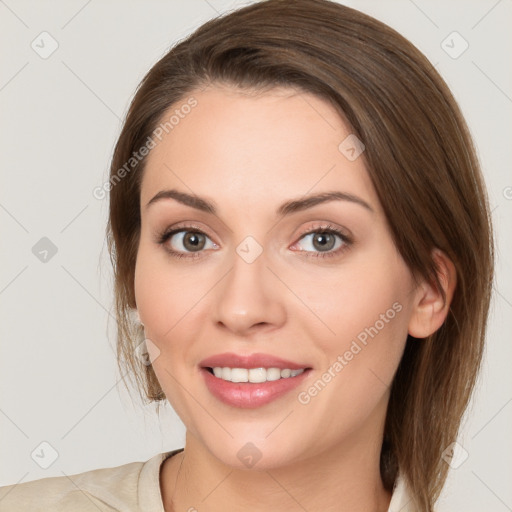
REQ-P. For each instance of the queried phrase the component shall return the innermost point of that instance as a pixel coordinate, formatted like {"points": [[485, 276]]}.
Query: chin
{"points": [[257, 454]]}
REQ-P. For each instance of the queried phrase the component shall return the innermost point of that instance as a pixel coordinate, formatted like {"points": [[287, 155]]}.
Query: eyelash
{"points": [[162, 238]]}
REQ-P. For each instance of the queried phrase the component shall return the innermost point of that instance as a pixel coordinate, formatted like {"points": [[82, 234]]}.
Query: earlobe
{"points": [[430, 310]]}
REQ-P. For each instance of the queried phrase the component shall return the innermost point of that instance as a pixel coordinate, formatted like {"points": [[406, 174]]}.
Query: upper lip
{"points": [[233, 360]]}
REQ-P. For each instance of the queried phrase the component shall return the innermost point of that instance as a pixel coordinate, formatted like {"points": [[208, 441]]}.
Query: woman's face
{"points": [[254, 277]]}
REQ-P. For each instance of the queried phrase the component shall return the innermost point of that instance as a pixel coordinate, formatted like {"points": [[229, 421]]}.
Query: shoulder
{"points": [[107, 489]]}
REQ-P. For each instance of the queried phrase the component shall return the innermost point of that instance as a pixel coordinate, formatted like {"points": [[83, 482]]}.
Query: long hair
{"points": [[422, 163]]}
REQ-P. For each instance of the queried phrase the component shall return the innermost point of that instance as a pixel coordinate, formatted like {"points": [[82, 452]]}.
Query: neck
{"points": [[344, 478]]}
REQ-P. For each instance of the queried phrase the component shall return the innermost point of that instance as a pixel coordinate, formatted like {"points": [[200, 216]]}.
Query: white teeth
{"points": [[257, 375], [273, 374], [254, 374], [238, 374]]}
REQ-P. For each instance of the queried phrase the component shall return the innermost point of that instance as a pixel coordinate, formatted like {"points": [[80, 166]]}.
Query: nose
{"points": [[250, 298]]}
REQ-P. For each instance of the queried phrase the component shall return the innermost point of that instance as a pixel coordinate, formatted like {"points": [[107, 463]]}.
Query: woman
{"points": [[303, 262]]}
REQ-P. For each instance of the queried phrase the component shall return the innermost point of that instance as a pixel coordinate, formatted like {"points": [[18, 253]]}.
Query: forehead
{"points": [[236, 144]]}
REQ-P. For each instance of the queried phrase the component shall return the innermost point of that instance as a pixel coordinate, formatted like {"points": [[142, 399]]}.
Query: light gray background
{"points": [[60, 119]]}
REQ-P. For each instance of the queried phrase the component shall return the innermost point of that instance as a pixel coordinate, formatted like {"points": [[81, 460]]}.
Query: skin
{"points": [[248, 153]]}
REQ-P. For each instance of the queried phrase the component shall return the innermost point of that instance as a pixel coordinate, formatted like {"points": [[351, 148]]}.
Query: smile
{"points": [[248, 381], [254, 375]]}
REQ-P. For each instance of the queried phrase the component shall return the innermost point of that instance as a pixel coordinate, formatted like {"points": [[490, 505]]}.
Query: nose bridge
{"points": [[250, 294]]}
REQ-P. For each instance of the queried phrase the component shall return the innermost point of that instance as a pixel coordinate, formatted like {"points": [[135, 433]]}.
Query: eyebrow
{"points": [[287, 208]]}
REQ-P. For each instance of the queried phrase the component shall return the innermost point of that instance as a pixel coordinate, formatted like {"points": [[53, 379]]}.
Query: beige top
{"points": [[127, 488]]}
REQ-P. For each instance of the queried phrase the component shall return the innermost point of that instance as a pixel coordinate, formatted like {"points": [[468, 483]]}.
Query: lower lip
{"points": [[250, 395]]}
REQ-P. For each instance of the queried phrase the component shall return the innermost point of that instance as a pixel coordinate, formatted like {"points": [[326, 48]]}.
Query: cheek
{"points": [[165, 290], [358, 363], [365, 315], [165, 294], [346, 300], [154, 305]]}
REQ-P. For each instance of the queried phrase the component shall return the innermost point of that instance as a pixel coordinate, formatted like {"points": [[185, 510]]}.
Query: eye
{"points": [[185, 242], [327, 240]]}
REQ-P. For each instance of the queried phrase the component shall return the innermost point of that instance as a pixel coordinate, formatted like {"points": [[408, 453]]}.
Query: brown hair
{"points": [[422, 163]]}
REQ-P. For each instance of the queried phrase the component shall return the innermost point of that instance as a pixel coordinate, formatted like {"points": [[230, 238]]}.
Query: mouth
{"points": [[254, 375], [248, 381]]}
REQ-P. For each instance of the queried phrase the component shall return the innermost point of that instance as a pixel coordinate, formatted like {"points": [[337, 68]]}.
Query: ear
{"points": [[429, 309]]}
